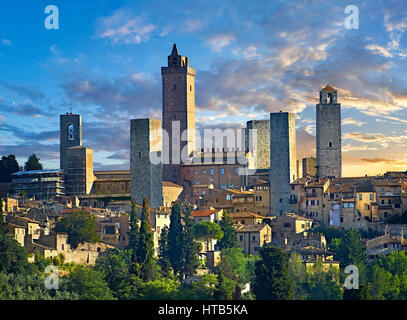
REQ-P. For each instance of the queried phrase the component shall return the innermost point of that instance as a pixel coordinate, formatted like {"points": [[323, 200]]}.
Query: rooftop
{"points": [[203, 213], [33, 172], [251, 227]]}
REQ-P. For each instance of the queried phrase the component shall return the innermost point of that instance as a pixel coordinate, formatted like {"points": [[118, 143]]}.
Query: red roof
{"points": [[203, 213]]}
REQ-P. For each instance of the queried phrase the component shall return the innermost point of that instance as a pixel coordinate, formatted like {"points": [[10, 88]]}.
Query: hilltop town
{"points": [[237, 195]]}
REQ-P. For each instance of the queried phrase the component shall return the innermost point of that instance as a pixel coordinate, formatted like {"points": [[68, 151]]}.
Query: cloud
{"points": [[218, 42], [353, 122], [6, 42], [124, 27], [386, 161]]}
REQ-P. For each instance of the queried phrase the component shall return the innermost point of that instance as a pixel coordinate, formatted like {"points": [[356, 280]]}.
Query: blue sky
{"points": [[251, 57]]}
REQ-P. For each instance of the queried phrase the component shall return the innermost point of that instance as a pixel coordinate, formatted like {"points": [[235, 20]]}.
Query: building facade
{"points": [[258, 142]]}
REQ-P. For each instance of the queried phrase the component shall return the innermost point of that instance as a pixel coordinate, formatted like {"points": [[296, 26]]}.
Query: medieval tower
{"points": [[178, 118], [283, 161], [329, 152], [145, 161], [70, 136]]}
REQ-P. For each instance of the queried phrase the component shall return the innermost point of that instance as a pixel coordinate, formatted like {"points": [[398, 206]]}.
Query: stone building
{"points": [[283, 166], [178, 92], [258, 142], [252, 237], [329, 150], [145, 161], [261, 194], [70, 136], [309, 169], [79, 175]]}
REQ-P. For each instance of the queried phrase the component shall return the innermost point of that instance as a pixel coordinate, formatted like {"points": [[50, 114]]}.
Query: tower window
{"points": [[190, 88], [174, 87], [330, 144], [139, 154]]}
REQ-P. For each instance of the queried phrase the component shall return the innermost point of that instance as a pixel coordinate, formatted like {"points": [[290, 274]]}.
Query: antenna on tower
{"points": [[70, 108]]}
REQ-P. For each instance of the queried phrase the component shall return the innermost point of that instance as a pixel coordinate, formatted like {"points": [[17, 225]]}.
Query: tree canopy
{"points": [[8, 166], [80, 226], [33, 163]]}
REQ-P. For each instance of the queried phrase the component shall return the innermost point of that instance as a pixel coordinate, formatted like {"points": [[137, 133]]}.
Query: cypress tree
{"points": [[145, 247], [133, 236], [163, 253], [175, 239], [229, 239], [190, 247]]}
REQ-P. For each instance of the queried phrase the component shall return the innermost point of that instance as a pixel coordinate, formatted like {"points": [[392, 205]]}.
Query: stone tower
{"points": [[283, 161], [178, 85], [70, 136], [145, 161], [329, 152], [260, 139]]}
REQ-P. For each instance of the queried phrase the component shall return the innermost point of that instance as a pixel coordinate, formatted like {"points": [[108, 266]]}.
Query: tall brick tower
{"points": [[70, 136], [283, 161], [178, 81], [329, 150]]}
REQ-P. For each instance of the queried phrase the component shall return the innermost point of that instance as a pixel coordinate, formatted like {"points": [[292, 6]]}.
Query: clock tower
{"points": [[70, 136]]}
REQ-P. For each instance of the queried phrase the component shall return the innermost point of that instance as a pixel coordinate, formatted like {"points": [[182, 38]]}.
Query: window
{"points": [[224, 186], [360, 196], [211, 180], [174, 87], [371, 196], [236, 171], [195, 172], [253, 238], [330, 144], [228, 197], [241, 238], [345, 205], [231, 186], [351, 205], [286, 225], [211, 171], [203, 192], [139, 154], [190, 88], [203, 171], [196, 182], [281, 200], [222, 171]]}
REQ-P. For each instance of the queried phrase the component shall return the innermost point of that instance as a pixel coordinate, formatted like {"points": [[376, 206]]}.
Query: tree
{"points": [[190, 247], [229, 239], [273, 281], [357, 294], [224, 288], [89, 284], [208, 230], [299, 275], [175, 239], [351, 249], [8, 166], [163, 254], [13, 257], [80, 227], [33, 163], [134, 234], [145, 247], [236, 265]]}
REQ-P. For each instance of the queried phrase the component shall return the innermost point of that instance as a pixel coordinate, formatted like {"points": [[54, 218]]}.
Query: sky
{"points": [[251, 58]]}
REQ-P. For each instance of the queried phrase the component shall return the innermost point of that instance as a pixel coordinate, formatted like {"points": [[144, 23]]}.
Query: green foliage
{"points": [[356, 294], [163, 255], [33, 163], [80, 226], [208, 230], [175, 239], [236, 265], [273, 280], [13, 257], [229, 239], [329, 233], [8, 165], [323, 284], [89, 284], [351, 250], [145, 246], [190, 248]]}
